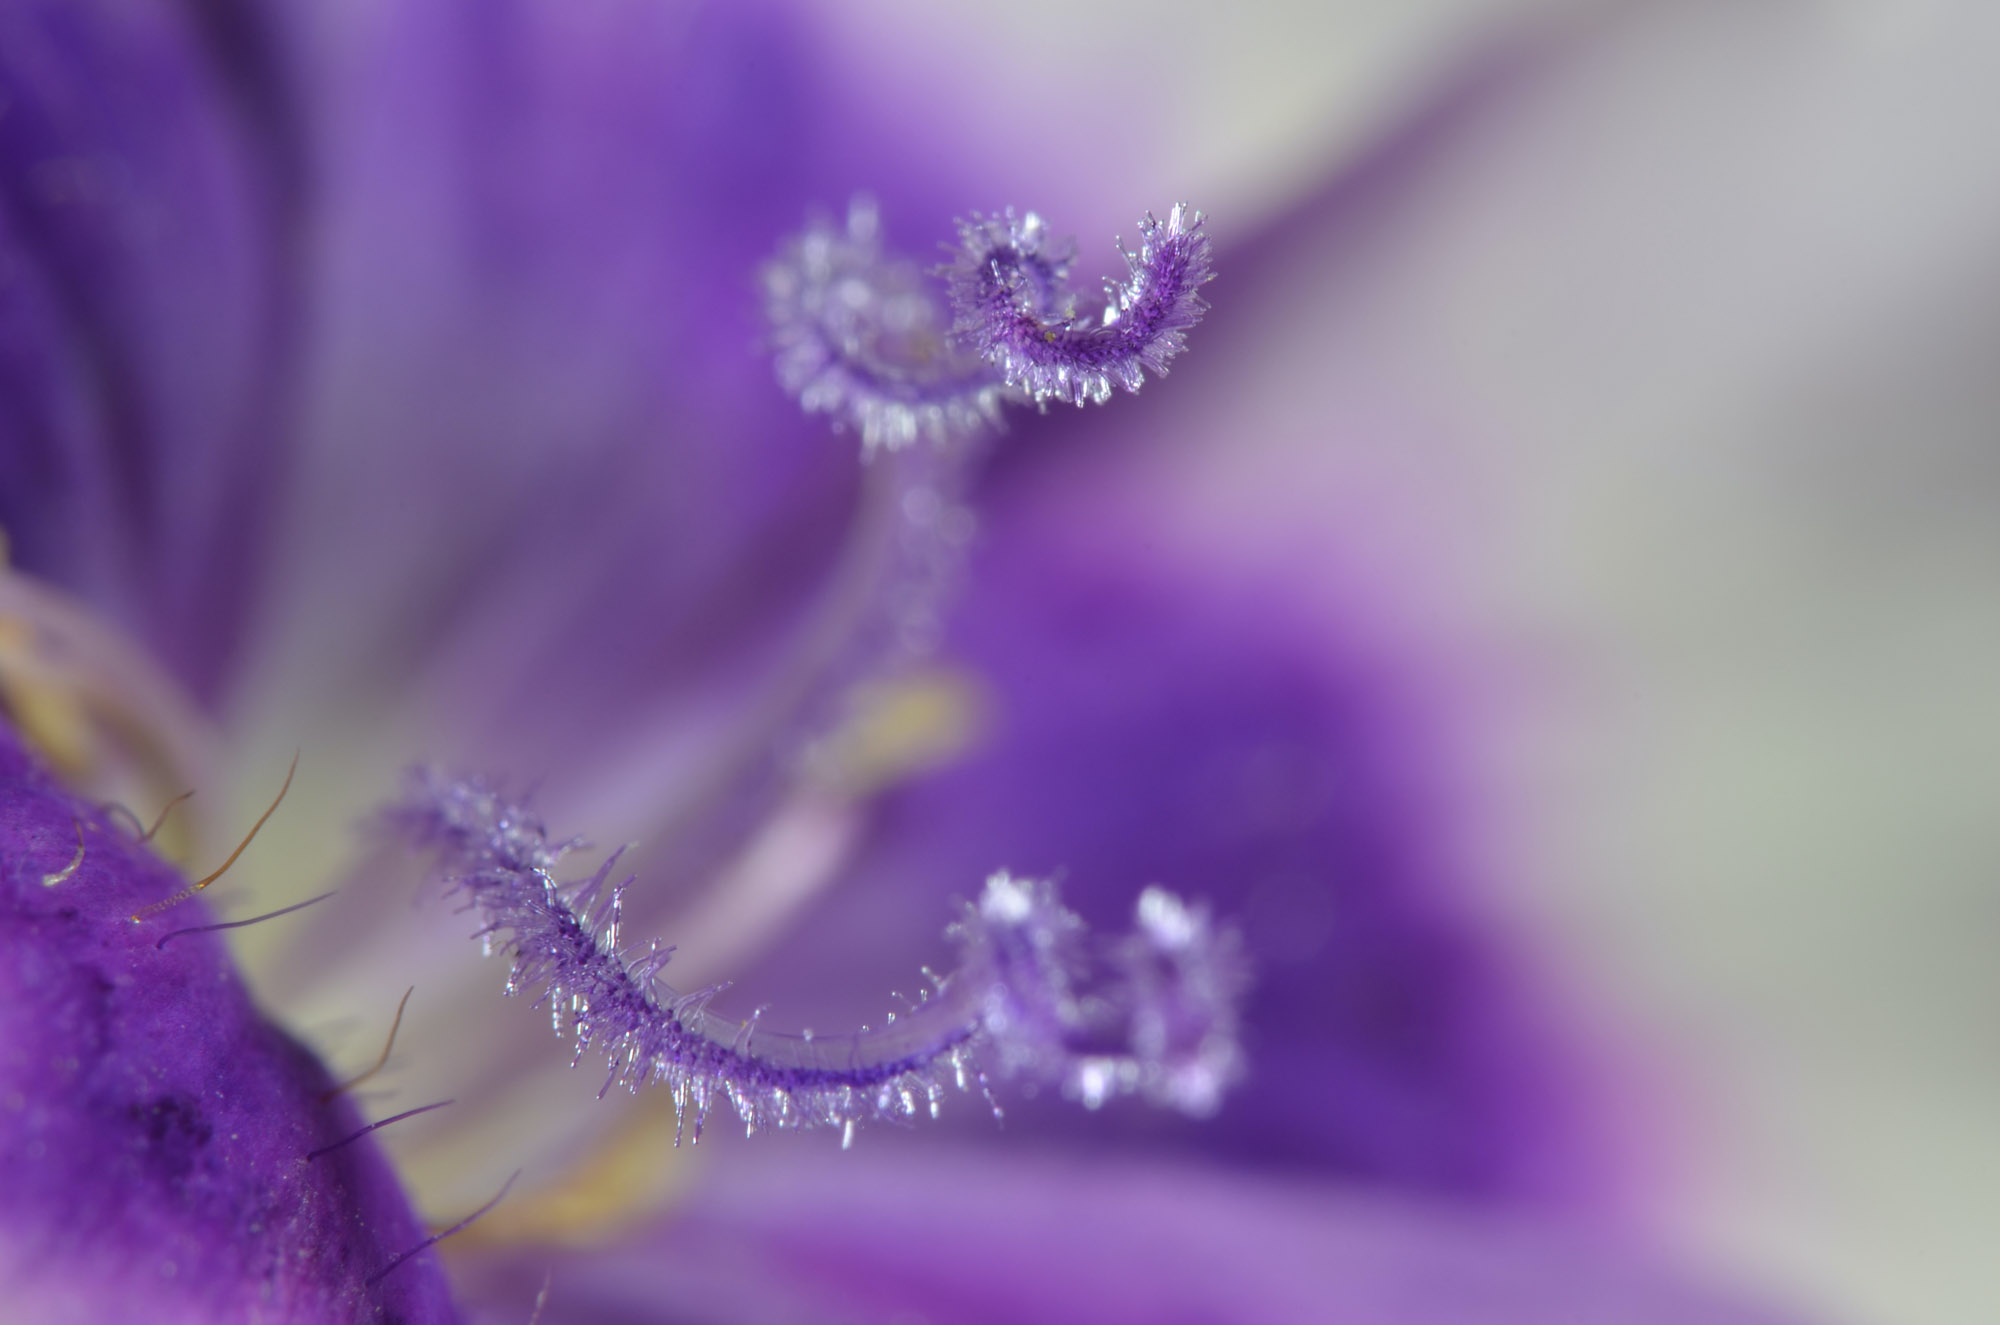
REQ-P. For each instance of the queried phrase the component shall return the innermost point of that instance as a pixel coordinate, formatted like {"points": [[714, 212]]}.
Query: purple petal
{"points": [[539, 395], [146, 182], [154, 1130], [1155, 721], [957, 1239]]}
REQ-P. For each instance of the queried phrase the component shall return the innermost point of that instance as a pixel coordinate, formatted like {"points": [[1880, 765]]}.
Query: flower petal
{"points": [[1152, 721], [145, 259], [956, 1238], [156, 1134]]}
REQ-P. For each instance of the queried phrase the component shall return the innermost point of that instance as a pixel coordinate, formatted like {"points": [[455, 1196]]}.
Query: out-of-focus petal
{"points": [[550, 493], [1151, 720], [955, 1238], [155, 1131], [1237, 108], [1658, 401], [147, 182]]}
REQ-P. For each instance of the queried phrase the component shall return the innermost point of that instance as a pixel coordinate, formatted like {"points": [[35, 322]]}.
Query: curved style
{"points": [[1157, 1018]]}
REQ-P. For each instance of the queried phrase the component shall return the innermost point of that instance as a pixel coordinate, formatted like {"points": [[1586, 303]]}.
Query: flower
{"points": [[393, 374]]}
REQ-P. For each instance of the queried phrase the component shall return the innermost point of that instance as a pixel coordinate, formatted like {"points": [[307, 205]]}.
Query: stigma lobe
{"points": [[1158, 1019], [899, 354]]}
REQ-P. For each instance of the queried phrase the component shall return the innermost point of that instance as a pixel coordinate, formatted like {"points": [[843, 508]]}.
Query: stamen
{"points": [[199, 884], [436, 1238], [63, 875], [253, 920], [352, 1137], [382, 1058]]}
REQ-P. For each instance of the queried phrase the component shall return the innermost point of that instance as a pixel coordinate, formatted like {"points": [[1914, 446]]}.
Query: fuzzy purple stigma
{"points": [[865, 337], [895, 354], [1157, 1019], [1010, 293]]}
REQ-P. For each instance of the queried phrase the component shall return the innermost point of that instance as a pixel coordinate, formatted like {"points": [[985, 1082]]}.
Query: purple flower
{"points": [[401, 378]]}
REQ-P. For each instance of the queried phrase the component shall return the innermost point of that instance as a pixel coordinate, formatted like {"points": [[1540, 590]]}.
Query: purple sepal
{"points": [[149, 175], [154, 1129]]}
